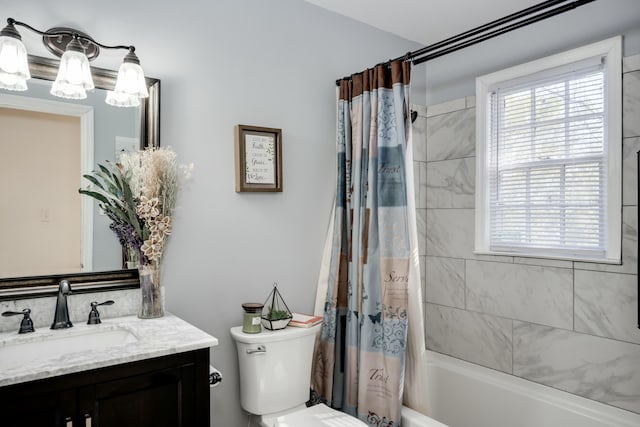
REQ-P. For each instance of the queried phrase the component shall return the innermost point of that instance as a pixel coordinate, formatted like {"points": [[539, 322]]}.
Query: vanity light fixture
{"points": [[75, 50], [74, 74]]}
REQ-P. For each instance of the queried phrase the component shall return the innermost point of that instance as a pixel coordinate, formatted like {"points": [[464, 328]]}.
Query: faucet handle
{"points": [[26, 325], [94, 315]]}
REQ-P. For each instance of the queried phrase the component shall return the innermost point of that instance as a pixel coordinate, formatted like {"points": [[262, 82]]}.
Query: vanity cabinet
{"points": [[169, 391]]}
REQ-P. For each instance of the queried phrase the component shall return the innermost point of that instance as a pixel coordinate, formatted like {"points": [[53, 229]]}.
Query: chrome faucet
{"points": [[61, 316]]}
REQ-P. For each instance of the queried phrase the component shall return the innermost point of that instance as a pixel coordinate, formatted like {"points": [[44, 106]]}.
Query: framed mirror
{"points": [[36, 203]]}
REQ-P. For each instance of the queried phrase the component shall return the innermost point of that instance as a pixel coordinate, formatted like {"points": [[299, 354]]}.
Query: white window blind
{"points": [[549, 157], [547, 164]]}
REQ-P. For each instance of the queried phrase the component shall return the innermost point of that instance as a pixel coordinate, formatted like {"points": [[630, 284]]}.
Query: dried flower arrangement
{"points": [[139, 194]]}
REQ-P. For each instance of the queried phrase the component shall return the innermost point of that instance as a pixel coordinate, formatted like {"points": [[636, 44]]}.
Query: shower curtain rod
{"points": [[480, 34]]}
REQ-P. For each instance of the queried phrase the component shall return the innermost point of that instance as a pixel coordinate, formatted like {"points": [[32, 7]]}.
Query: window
{"points": [[548, 166]]}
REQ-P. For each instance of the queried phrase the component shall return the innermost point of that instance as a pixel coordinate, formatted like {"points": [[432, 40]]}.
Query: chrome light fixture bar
{"points": [[75, 50]]}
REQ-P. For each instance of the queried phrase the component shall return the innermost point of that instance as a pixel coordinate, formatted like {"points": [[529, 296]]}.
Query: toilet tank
{"points": [[275, 368]]}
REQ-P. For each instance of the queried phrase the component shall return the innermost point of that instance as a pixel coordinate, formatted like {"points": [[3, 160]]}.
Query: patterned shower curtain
{"points": [[359, 363]]}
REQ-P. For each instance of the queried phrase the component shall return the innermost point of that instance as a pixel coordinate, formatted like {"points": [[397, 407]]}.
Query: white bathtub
{"points": [[462, 394], [411, 418]]}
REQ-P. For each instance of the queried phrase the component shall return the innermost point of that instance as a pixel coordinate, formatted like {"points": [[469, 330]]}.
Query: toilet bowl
{"points": [[275, 375], [315, 416]]}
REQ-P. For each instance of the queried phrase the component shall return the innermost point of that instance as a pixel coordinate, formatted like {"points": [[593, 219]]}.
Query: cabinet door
{"points": [[43, 409], [156, 399]]}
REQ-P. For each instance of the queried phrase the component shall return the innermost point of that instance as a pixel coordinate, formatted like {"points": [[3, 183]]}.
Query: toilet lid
{"points": [[318, 416]]}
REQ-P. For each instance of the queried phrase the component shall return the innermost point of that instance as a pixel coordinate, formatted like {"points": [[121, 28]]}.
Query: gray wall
{"points": [[453, 76], [227, 62], [569, 325]]}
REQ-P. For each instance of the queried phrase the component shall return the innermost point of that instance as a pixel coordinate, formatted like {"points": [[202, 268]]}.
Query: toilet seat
{"points": [[318, 416]]}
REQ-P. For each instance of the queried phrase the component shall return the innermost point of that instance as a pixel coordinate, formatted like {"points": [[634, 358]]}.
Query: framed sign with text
{"points": [[258, 159]]}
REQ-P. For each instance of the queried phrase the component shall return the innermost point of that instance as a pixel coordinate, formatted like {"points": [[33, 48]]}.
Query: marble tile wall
{"points": [[526, 292], [568, 325], [597, 368], [479, 337]]}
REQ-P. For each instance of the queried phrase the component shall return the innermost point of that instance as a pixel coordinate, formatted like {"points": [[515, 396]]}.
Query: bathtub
{"points": [[411, 418], [461, 394]]}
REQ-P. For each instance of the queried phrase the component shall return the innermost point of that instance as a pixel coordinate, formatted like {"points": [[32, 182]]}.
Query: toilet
{"points": [[275, 374]]}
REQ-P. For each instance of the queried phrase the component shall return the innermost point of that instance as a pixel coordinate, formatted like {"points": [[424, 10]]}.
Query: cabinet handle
{"points": [[68, 422], [87, 420]]}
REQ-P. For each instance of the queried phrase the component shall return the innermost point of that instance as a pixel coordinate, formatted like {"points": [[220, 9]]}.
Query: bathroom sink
{"points": [[57, 346]]}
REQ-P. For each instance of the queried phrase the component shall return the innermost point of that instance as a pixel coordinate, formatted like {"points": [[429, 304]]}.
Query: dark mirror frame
{"points": [[43, 286]]}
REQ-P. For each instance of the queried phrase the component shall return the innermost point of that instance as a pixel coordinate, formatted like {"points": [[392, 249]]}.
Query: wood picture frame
{"points": [[258, 155]]}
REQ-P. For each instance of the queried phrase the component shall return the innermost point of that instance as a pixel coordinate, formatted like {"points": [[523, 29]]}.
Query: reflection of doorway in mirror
{"points": [[43, 230]]}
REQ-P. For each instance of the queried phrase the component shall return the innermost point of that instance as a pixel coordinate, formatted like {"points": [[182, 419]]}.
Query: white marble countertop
{"points": [[145, 338]]}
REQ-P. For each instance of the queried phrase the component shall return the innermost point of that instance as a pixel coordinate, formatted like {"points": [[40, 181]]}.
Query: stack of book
{"points": [[304, 320]]}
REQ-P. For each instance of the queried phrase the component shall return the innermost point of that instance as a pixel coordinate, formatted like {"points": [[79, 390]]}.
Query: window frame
{"points": [[612, 50]]}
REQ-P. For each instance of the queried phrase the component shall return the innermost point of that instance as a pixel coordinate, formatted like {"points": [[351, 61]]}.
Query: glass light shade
{"points": [[14, 68], [131, 80], [122, 99], [68, 91], [74, 76]]}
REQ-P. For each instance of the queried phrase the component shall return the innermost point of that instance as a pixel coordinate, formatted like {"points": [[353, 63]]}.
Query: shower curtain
{"points": [[371, 251]]}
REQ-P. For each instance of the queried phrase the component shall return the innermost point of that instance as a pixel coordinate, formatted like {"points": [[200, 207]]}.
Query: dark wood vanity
{"points": [[169, 391]]}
